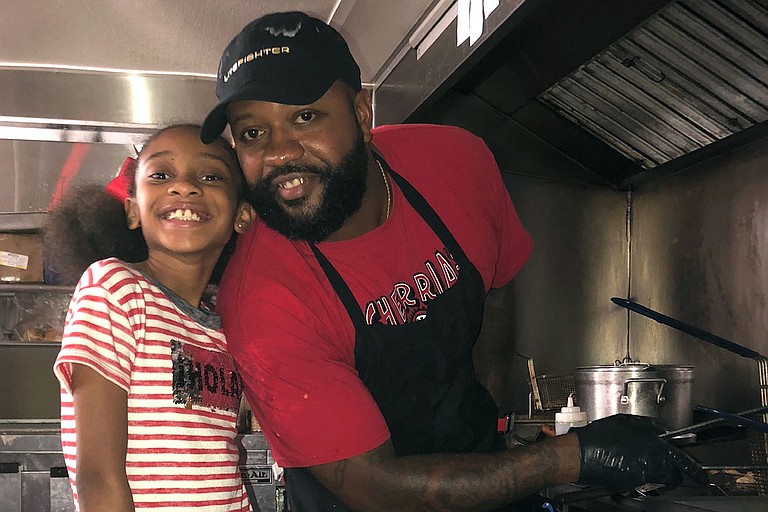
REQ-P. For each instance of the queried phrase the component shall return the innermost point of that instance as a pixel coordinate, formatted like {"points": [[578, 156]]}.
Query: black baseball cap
{"points": [[285, 57]]}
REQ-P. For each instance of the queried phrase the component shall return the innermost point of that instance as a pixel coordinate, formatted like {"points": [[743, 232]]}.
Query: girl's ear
{"points": [[132, 213], [244, 218]]}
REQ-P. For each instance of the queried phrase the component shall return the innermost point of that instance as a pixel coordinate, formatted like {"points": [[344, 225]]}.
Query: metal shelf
{"points": [[8, 336], [35, 288], [56, 344], [24, 222]]}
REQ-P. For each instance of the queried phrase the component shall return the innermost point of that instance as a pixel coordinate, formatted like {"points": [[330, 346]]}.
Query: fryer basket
{"points": [[549, 392], [758, 442], [758, 451], [554, 391]]}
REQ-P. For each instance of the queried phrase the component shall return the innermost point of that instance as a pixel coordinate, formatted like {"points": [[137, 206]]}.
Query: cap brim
{"points": [[292, 91], [214, 123]]}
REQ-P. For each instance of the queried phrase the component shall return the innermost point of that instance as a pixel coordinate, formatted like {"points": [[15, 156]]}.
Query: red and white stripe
{"points": [[121, 325]]}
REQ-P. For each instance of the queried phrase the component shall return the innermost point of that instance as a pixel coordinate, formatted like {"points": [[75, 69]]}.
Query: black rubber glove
{"points": [[624, 451]]}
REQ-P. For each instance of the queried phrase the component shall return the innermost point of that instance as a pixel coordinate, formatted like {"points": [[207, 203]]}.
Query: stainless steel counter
{"points": [[33, 476], [708, 503], [572, 498]]}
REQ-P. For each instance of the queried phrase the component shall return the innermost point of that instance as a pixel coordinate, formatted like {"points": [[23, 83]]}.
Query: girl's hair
{"points": [[89, 225]]}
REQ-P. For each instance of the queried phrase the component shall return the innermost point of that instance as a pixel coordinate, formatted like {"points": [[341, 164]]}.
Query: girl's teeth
{"points": [[183, 215]]}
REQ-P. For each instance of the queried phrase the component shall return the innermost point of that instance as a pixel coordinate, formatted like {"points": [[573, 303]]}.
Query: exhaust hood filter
{"points": [[694, 73]]}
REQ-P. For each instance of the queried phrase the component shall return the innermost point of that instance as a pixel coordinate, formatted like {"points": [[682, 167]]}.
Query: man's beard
{"points": [[344, 187]]}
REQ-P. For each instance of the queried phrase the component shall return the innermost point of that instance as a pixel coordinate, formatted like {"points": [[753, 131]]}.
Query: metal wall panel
{"points": [[65, 127], [31, 390], [701, 243], [36, 171], [110, 99], [699, 246], [563, 311]]}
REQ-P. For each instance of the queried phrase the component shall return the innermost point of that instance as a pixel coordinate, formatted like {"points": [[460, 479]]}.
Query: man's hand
{"points": [[624, 451]]}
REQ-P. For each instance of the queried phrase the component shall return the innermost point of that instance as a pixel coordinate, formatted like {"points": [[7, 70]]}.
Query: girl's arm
{"points": [[101, 416]]}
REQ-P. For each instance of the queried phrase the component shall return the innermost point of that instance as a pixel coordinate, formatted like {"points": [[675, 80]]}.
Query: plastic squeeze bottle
{"points": [[569, 416]]}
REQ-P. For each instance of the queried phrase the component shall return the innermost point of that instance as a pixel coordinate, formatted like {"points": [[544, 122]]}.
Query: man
{"points": [[353, 309]]}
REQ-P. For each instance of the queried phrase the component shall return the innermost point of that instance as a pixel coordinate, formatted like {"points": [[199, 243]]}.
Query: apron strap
{"points": [[429, 215], [426, 212], [342, 290]]}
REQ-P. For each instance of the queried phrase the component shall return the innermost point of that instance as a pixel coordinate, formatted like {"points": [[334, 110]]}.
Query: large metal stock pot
{"points": [[664, 392]]}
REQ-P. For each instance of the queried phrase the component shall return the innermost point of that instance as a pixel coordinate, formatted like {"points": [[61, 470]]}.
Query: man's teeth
{"points": [[184, 215], [295, 182]]}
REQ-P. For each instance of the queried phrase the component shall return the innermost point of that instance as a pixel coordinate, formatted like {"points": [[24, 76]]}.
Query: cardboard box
{"points": [[21, 258]]}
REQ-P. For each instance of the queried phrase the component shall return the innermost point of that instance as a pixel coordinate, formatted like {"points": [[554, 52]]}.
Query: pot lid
{"points": [[634, 366]]}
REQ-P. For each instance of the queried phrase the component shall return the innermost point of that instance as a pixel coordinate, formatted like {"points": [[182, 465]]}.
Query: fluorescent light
{"points": [[429, 23]]}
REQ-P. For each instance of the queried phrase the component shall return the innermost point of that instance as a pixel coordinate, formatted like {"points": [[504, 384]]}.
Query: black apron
{"points": [[420, 373]]}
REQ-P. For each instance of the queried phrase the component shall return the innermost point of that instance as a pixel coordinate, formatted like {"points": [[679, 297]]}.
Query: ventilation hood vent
{"points": [[694, 73]]}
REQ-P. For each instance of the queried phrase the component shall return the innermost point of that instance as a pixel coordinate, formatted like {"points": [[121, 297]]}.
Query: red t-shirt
{"points": [[289, 334]]}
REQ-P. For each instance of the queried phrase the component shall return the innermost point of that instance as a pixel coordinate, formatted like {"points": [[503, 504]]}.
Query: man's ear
{"points": [[132, 213], [364, 113], [244, 218]]}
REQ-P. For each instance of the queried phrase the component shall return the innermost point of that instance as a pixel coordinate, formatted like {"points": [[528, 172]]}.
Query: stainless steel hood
{"points": [[606, 93], [692, 74]]}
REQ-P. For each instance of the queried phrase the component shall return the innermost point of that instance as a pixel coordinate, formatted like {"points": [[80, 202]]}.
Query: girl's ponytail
{"points": [[89, 224]]}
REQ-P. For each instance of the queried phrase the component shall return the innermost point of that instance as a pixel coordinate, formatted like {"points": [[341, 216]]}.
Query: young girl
{"points": [[149, 395]]}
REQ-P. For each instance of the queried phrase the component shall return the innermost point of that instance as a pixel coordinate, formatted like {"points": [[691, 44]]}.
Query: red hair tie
{"points": [[120, 184]]}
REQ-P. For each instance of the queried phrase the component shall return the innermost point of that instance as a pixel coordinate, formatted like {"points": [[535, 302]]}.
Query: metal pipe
{"points": [[709, 423], [628, 234]]}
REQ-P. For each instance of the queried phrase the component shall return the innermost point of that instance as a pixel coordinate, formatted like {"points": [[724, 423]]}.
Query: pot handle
{"points": [[659, 398]]}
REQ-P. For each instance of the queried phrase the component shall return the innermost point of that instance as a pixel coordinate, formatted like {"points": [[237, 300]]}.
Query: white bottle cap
{"points": [[571, 414]]}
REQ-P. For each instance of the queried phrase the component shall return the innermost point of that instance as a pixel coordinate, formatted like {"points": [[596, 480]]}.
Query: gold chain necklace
{"points": [[386, 184]]}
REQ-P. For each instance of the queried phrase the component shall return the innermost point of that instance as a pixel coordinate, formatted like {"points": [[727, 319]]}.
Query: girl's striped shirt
{"points": [[182, 388]]}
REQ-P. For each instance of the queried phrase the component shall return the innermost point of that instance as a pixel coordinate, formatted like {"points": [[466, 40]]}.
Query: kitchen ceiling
{"points": [[85, 80], [183, 36]]}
